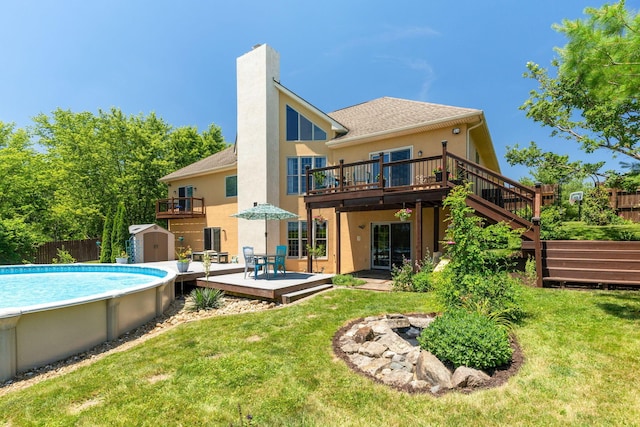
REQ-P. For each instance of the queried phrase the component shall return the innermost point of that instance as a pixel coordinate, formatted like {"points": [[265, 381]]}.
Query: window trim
{"points": [[303, 249], [226, 185], [314, 127]]}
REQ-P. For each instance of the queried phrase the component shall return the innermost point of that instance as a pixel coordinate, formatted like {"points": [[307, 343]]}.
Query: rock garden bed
{"points": [[384, 348]]}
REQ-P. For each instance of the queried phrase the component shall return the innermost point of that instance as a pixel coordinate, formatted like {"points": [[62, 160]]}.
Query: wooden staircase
{"points": [[495, 197]]}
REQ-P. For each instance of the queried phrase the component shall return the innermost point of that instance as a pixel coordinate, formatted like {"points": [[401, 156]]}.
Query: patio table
{"points": [[262, 259]]}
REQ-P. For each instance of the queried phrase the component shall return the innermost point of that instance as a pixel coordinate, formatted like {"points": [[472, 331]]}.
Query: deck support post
{"points": [[418, 233], [536, 234], [309, 225], [338, 242]]}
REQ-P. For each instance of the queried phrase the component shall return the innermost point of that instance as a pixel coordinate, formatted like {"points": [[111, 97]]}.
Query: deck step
{"points": [[293, 296]]}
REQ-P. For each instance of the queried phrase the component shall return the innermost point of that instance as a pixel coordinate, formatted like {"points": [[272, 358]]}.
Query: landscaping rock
{"points": [[372, 349], [363, 334], [429, 368], [468, 377]]}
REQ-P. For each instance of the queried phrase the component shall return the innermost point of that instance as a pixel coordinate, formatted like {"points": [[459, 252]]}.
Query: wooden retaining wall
{"points": [[600, 263]]}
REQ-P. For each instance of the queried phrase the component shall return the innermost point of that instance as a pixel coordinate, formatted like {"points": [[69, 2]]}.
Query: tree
{"points": [[551, 168], [105, 249], [594, 97]]}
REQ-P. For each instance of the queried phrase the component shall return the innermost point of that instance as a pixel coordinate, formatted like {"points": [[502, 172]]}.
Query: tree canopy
{"points": [[593, 99], [60, 177]]}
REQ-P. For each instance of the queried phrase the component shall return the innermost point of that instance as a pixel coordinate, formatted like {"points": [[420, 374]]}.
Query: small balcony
{"points": [[180, 207]]}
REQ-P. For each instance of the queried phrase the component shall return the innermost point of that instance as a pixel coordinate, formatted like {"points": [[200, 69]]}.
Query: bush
{"points": [[422, 282], [405, 280], [467, 339], [347, 280], [64, 257], [204, 299], [499, 292]]}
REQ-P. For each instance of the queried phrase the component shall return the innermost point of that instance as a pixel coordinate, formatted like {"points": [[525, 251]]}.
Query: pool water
{"points": [[24, 287]]}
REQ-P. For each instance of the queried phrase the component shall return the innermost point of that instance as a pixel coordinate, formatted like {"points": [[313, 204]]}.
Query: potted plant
{"points": [[183, 254], [319, 219], [123, 258], [438, 173], [404, 214], [319, 179]]}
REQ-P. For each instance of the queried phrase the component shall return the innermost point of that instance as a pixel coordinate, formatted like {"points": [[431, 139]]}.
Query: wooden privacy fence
{"points": [[81, 250], [626, 204]]}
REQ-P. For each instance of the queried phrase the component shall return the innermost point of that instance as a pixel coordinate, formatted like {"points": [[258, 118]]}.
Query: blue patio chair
{"points": [[250, 262], [278, 260]]}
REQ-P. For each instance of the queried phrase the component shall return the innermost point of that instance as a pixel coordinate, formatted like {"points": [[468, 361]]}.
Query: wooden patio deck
{"points": [[230, 279]]}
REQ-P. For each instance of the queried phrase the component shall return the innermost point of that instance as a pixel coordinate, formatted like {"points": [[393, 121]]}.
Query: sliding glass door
{"points": [[390, 242]]}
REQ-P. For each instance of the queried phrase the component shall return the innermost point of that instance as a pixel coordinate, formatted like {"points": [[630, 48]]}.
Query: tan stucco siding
{"points": [[218, 207]]}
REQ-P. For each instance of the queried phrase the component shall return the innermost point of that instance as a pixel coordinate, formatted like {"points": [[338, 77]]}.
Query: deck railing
{"points": [[435, 173], [180, 207]]}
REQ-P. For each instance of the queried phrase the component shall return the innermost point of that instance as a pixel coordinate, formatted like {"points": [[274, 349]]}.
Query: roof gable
{"points": [[219, 160]]}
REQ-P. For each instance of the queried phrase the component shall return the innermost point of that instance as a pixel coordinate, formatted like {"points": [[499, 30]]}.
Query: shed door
{"points": [[155, 246]]}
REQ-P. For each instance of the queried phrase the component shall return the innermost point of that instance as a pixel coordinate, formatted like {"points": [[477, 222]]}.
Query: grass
{"points": [[582, 350], [577, 230]]}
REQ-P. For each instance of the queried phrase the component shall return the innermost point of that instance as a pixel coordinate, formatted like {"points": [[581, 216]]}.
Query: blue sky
{"points": [[178, 58]]}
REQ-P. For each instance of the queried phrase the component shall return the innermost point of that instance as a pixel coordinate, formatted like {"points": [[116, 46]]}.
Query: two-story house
{"points": [[366, 162]]}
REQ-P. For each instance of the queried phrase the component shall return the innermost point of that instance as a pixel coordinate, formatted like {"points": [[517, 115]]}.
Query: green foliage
{"points": [[347, 280], [581, 231], [530, 272], [465, 338], [17, 241], [315, 252], [549, 168], [498, 291], [406, 280], [119, 233], [596, 209], [64, 257], [593, 98], [204, 299], [105, 249]]}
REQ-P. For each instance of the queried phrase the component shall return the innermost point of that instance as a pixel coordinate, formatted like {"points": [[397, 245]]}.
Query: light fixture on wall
{"points": [[362, 226], [455, 131], [420, 153]]}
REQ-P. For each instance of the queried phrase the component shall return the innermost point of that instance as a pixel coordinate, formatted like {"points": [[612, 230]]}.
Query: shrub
{"points": [[64, 257], [499, 291], [467, 339], [347, 280], [401, 276], [406, 280], [422, 281], [204, 299]]}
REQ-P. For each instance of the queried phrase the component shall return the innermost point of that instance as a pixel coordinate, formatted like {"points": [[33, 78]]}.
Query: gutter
{"points": [[468, 142]]}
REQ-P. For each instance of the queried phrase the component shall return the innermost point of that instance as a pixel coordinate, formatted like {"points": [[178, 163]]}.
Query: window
{"points": [[297, 237], [299, 128], [296, 172], [231, 186], [212, 239], [185, 195], [394, 175]]}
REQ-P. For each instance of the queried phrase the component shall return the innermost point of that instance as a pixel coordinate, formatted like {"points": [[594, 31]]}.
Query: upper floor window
{"points": [[297, 172], [231, 186], [299, 128]]}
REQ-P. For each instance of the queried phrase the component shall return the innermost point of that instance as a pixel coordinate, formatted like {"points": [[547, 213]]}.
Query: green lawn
{"points": [[582, 354]]}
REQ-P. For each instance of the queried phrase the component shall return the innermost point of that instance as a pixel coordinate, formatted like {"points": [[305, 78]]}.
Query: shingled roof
{"points": [[221, 159], [387, 115]]}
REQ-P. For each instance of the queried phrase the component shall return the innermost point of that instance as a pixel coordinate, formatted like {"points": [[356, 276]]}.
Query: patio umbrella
{"points": [[264, 211]]}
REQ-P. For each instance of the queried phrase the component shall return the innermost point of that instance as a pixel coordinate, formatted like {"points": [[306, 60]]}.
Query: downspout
{"points": [[469, 137]]}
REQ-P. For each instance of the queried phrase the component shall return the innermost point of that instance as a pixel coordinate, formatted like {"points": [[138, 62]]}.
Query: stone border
{"points": [[496, 377]]}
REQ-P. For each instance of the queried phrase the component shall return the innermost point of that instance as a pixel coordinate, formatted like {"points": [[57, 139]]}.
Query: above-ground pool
{"points": [[49, 312]]}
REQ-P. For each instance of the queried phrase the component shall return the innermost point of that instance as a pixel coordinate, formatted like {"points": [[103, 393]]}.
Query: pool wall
{"points": [[38, 335]]}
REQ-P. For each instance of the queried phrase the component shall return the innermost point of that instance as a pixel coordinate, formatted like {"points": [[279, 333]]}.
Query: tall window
{"points": [[231, 186], [212, 239], [296, 172], [185, 194], [299, 128], [298, 237], [394, 175]]}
